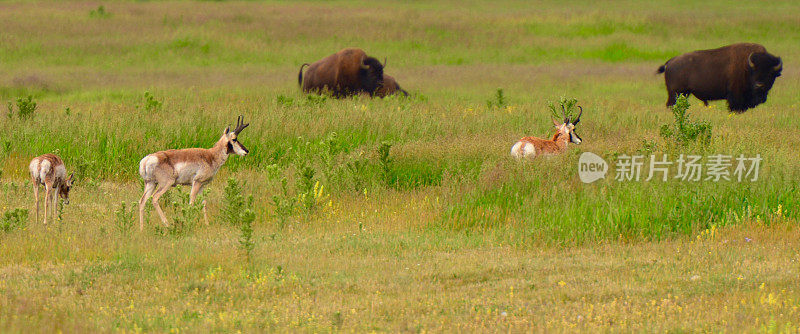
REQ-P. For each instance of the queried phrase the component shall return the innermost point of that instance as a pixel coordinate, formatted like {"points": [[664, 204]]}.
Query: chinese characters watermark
{"points": [[684, 167]]}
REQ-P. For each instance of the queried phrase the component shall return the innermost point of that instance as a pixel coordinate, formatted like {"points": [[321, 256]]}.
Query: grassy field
{"points": [[446, 232]]}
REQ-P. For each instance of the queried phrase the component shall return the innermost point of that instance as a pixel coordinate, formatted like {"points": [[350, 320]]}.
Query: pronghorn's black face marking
{"points": [[573, 136], [567, 127], [64, 189], [233, 144], [236, 147]]}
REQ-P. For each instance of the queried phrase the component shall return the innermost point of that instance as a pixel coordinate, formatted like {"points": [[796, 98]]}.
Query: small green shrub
{"points": [[184, 216], [284, 204], [683, 130], [237, 210], [564, 107], [99, 13], [234, 203], [151, 104], [316, 100], [125, 217], [357, 172], [499, 100], [385, 163], [25, 107], [284, 101], [306, 187], [13, 219]]}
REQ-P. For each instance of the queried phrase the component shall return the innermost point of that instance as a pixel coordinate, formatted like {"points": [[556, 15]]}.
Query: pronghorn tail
{"points": [[146, 167]]}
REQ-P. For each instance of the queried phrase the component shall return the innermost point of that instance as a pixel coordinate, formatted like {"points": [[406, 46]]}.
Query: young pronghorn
{"points": [[48, 170], [191, 166], [531, 147]]}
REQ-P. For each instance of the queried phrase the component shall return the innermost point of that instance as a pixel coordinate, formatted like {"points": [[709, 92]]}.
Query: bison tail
{"points": [[300, 75]]}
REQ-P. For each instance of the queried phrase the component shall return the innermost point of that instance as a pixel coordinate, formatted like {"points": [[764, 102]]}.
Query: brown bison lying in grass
{"points": [[389, 87], [345, 73]]}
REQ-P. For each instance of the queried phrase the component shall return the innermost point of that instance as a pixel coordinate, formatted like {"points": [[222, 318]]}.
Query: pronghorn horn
{"points": [[240, 125], [564, 114], [578, 119]]}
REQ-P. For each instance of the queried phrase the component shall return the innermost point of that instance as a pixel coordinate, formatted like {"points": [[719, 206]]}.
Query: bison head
{"points": [[370, 74], [764, 68]]}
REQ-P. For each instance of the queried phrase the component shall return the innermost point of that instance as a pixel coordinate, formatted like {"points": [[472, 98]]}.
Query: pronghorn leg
{"points": [[36, 196], [162, 188], [48, 190], [196, 188], [55, 204], [149, 188]]}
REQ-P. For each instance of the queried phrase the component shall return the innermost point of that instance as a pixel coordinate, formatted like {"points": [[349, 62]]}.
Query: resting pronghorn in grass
{"points": [[191, 166], [48, 170], [531, 147]]}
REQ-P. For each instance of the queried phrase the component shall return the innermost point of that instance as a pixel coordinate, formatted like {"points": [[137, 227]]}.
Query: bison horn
{"points": [[750, 61], [778, 67], [364, 66]]}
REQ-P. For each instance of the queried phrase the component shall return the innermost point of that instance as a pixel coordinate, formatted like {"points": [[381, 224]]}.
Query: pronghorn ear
{"points": [[555, 123], [228, 129], [70, 176]]}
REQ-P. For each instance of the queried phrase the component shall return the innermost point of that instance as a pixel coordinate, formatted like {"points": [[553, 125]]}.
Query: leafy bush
{"points": [[683, 130], [234, 204], [25, 107], [13, 219], [150, 103], [306, 187], [284, 204], [563, 107], [285, 101], [499, 100], [99, 13], [237, 210]]}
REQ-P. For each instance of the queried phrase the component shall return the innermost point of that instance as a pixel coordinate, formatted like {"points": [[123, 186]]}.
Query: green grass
{"points": [[448, 235]]}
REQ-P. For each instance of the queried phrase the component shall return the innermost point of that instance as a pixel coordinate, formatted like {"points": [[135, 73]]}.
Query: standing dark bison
{"points": [[389, 87], [345, 73], [740, 73]]}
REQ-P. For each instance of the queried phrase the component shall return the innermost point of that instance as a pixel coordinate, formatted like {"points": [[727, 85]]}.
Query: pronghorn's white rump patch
{"points": [[523, 150], [146, 167]]}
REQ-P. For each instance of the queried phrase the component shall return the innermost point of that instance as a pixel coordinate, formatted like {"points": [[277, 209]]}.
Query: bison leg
{"points": [[671, 98]]}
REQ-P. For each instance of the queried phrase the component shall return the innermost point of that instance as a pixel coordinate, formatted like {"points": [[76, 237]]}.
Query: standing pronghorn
{"points": [[48, 170], [195, 166], [531, 147]]}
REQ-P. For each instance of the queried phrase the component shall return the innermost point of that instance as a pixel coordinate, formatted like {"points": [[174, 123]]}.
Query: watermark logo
{"points": [[692, 168], [591, 167]]}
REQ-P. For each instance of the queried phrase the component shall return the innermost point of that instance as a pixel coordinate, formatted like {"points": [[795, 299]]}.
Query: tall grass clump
{"points": [[185, 216], [124, 217]]}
